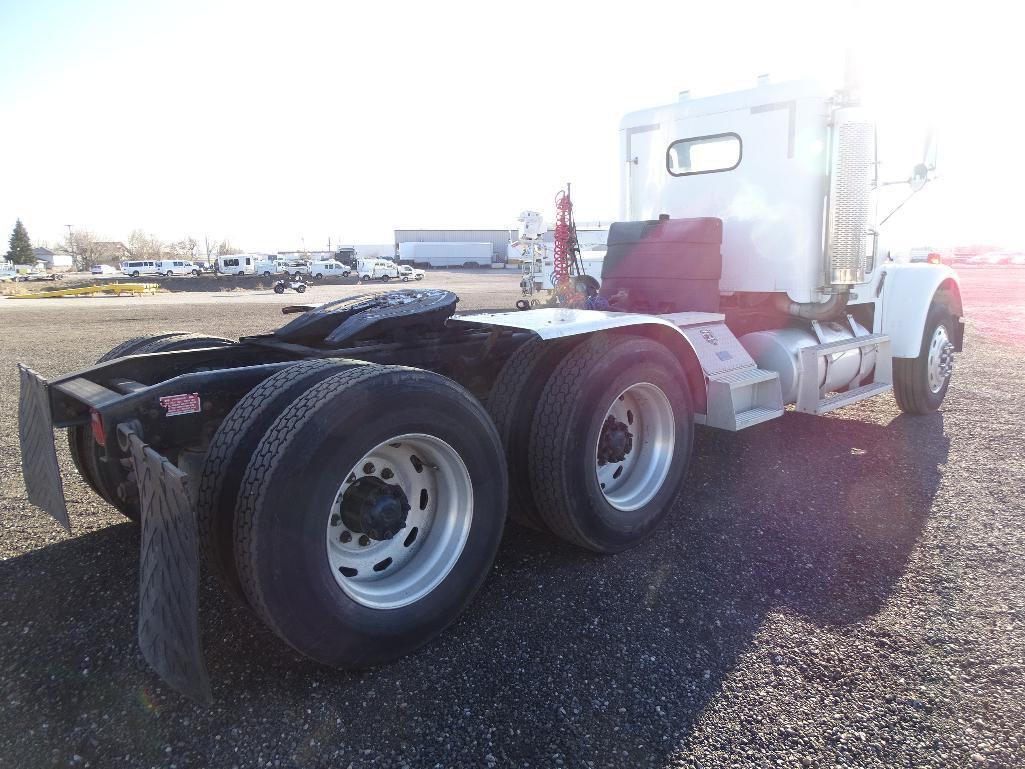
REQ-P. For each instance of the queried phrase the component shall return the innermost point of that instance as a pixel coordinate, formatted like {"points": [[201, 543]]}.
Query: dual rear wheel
{"points": [[610, 436], [356, 534]]}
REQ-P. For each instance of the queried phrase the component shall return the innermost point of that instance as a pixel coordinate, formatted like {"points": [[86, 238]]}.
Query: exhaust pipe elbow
{"points": [[826, 310]]}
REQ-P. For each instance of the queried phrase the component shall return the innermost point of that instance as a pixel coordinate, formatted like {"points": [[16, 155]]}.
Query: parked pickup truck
{"points": [[409, 273]]}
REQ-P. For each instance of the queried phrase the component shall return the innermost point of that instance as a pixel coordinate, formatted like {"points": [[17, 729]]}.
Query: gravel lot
{"points": [[845, 591]]}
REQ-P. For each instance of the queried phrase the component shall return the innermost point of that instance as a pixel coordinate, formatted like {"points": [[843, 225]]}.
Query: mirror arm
{"points": [[900, 205]]}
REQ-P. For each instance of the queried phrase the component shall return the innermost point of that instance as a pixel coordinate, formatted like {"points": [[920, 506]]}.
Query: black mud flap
{"points": [[168, 572], [38, 455]]}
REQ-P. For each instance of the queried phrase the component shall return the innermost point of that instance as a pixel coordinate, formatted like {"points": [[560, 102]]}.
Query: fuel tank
{"points": [[779, 350]]}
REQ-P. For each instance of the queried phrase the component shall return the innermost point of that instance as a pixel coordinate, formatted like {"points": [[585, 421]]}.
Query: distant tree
{"points": [[224, 248], [142, 245], [85, 249], [20, 251], [184, 248]]}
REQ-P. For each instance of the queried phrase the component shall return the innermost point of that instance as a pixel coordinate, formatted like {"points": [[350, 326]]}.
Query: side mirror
{"points": [[919, 176]]}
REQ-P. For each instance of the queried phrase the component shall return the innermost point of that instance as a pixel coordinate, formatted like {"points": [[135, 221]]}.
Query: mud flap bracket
{"points": [[168, 571]]}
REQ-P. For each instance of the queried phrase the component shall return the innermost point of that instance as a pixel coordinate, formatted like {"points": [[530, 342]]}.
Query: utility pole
{"points": [[71, 245]]}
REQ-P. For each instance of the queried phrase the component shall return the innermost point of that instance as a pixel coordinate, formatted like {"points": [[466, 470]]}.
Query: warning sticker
{"points": [[177, 405]]}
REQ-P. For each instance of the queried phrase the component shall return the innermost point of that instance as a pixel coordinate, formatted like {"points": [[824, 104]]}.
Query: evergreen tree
{"points": [[20, 251]]}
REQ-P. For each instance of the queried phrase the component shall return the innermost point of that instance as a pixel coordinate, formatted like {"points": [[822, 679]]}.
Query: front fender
{"points": [[907, 291]]}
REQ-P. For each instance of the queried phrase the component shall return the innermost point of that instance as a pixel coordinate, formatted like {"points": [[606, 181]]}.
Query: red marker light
{"points": [[934, 258], [96, 422]]}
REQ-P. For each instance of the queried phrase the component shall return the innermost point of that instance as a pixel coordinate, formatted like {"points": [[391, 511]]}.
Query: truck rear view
{"points": [[348, 475]]}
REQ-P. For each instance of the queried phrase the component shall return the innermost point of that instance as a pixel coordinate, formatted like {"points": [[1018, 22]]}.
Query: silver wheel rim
{"points": [[940, 359], [630, 479], [394, 572]]}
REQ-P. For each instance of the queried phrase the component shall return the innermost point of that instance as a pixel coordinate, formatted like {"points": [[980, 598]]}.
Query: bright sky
{"points": [[268, 123]]}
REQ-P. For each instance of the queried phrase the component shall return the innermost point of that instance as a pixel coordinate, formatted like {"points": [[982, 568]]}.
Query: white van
{"points": [[171, 267], [143, 267], [373, 269], [326, 269], [236, 264]]}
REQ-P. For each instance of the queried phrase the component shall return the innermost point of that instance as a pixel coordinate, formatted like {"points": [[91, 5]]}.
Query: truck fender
{"points": [[906, 293], [557, 323]]}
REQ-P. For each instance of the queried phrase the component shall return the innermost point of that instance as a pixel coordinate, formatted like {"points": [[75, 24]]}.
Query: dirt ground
{"points": [[838, 591]]}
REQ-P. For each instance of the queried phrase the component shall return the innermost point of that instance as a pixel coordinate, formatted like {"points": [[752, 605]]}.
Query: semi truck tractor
{"points": [[348, 475]]}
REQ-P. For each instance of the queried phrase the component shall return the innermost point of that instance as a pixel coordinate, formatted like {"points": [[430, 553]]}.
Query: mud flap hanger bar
{"points": [[168, 571]]}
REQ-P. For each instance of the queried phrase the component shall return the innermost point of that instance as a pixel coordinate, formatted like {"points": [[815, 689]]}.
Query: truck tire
{"points": [[135, 273], [228, 455], [105, 477], [512, 403], [611, 442], [361, 533], [279, 289], [920, 384]]}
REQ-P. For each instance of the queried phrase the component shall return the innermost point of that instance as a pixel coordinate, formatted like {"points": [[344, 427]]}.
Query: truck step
{"points": [[742, 398]]}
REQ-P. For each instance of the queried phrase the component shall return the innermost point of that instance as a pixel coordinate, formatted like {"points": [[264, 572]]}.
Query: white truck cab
{"points": [[756, 211]]}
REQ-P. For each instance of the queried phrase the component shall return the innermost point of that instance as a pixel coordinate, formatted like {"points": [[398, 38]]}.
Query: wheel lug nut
{"points": [[364, 540], [346, 536], [368, 468]]}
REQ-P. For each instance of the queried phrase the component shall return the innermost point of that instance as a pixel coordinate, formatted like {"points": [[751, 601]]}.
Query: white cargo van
{"points": [[373, 269], [171, 267], [141, 267], [236, 264], [327, 269]]}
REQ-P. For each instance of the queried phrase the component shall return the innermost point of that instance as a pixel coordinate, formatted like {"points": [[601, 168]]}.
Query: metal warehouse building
{"points": [[499, 239]]}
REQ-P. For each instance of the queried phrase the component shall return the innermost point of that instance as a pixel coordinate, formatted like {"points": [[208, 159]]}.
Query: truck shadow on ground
{"points": [[563, 654]]}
